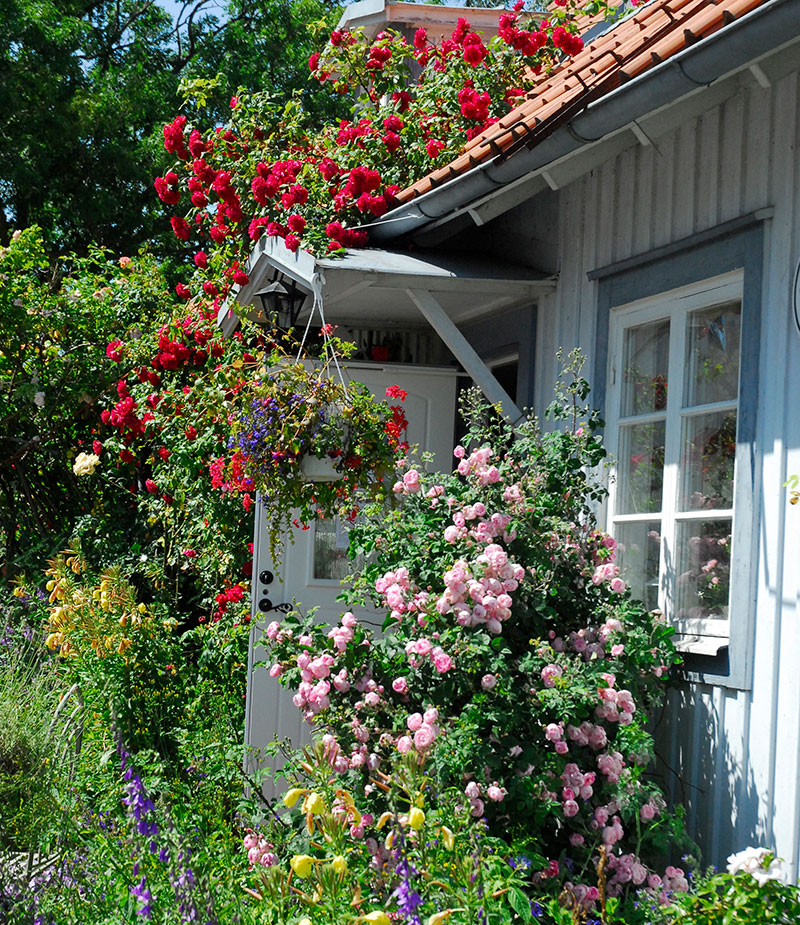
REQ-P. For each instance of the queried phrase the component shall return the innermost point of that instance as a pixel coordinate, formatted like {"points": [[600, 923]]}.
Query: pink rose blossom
{"points": [[424, 737]]}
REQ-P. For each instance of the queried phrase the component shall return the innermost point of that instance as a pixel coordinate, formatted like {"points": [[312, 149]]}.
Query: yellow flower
{"points": [[377, 918], [339, 864], [293, 796], [314, 804], [301, 864], [416, 818], [85, 463], [438, 917], [448, 839], [384, 818], [305, 921]]}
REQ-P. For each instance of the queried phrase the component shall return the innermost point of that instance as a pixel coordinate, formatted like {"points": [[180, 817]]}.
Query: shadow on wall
{"points": [[702, 763]]}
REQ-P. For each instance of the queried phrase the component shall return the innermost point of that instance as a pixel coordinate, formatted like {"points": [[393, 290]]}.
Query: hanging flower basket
{"points": [[326, 469], [309, 441]]}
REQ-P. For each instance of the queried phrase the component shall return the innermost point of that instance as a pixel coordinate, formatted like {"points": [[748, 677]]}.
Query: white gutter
{"points": [[750, 37]]}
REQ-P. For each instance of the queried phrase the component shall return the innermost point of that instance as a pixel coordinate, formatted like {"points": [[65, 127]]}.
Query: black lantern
{"points": [[282, 301]]}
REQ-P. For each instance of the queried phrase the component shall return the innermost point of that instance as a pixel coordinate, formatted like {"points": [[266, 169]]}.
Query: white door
{"points": [[310, 568]]}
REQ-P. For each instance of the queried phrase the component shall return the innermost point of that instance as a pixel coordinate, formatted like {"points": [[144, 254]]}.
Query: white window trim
{"points": [[738, 244], [696, 636]]}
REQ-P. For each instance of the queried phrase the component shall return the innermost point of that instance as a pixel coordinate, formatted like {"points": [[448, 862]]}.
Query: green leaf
{"points": [[520, 903]]}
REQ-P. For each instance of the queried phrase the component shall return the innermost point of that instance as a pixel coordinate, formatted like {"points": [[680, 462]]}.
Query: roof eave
{"points": [[747, 39]]}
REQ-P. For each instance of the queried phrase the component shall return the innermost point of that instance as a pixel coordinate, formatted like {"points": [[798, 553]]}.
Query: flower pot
{"points": [[320, 470]]}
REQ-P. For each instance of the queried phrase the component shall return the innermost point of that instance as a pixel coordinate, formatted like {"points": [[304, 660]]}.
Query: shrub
{"points": [[514, 666]]}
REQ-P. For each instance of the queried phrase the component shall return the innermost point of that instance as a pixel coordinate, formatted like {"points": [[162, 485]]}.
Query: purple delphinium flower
{"points": [[138, 803], [408, 899], [191, 895], [183, 883], [142, 893]]}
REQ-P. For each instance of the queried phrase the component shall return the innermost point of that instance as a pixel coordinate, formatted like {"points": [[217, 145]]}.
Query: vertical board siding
{"points": [[731, 757]]}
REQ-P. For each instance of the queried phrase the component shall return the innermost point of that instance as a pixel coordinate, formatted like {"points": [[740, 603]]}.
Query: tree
{"points": [[85, 86]]}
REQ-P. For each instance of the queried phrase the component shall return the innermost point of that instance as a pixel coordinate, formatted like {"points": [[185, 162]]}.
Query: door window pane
{"points": [[331, 539], [712, 354], [641, 467], [703, 556], [644, 377]]}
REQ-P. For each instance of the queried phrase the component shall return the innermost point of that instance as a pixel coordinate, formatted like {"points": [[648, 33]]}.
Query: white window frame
{"points": [[739, 244], [697, 635]]}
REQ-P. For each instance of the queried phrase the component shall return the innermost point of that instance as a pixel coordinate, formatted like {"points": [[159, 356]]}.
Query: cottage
{"points": [[644, 206]]}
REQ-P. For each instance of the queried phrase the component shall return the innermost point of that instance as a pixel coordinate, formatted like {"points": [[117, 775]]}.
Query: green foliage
{"points": [[56, 321], [85, 88], [30, 737], [753, 890]]}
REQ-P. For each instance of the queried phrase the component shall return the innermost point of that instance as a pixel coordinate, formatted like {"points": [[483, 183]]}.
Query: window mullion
{"points": [[616, 373], [672, 454]]}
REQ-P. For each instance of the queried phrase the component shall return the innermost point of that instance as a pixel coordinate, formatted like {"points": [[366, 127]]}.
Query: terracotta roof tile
{"points": [[654, 33]]}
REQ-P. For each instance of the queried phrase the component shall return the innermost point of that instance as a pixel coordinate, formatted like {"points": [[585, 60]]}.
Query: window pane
{"points": [[703, 552], [712, 354], [644, 377], [330, 550], [707, 458], [641, 468], [638, 552]]}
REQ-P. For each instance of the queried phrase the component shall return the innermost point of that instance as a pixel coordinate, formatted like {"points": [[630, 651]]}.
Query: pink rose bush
{"points": [[510, 667]]}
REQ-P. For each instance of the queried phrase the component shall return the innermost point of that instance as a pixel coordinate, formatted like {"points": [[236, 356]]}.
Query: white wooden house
{"points": [[643, 205]]}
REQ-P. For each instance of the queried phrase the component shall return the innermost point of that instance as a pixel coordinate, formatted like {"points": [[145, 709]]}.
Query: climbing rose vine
{"points": [[271, 172]]}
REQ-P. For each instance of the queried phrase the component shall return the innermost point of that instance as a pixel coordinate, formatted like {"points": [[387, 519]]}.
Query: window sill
{"points": [[700, 645]]}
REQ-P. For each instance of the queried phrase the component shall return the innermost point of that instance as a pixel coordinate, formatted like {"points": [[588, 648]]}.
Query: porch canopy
{"points": [[388, 288]]}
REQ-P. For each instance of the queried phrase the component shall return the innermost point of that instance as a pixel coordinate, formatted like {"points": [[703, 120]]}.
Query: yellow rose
{"points": [[85, 463], [416, 818], [301, 864]]}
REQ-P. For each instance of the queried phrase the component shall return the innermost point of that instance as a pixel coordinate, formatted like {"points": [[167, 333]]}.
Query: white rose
{"points": [[751, 861], [85, 463], [38, 399]]}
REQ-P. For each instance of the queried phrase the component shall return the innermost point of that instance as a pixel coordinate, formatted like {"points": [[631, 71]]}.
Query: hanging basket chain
{"points": [[317, 282]]}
